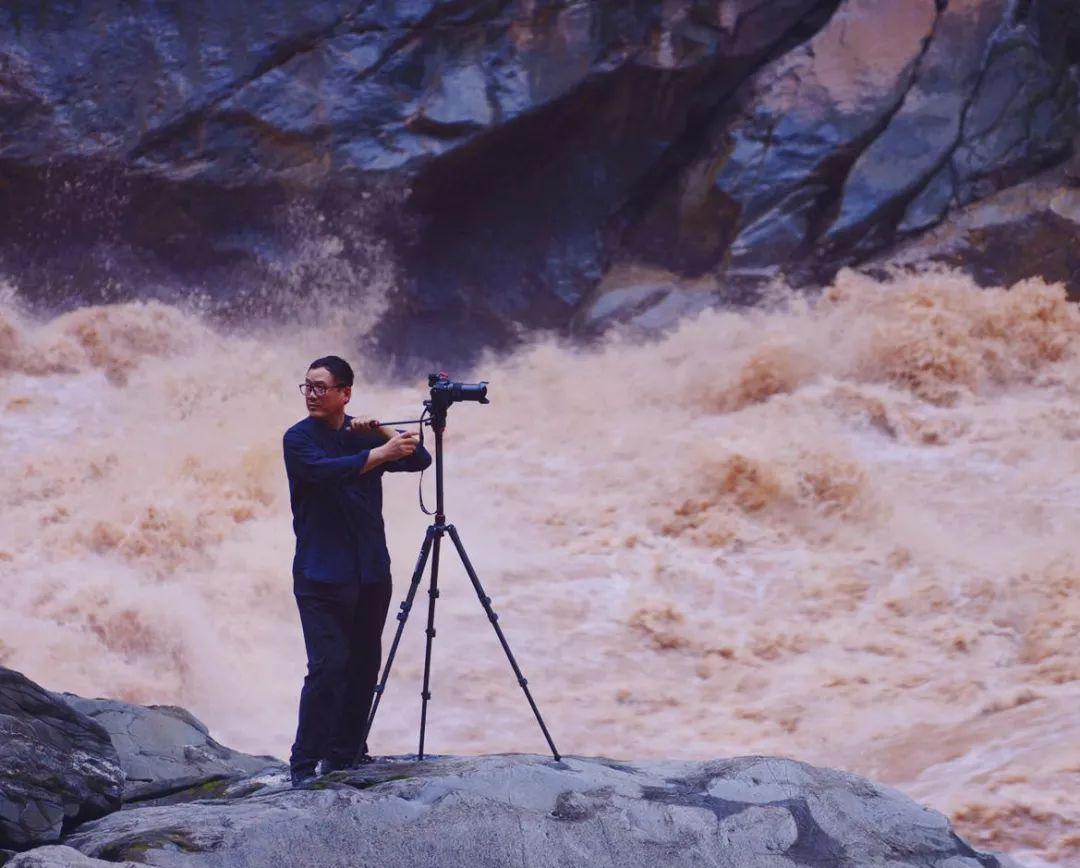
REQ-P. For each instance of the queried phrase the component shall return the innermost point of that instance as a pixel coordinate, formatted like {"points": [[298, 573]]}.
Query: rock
{"points": [[481, 147], [528, 810], [476, 169], [1022, 115], [164, 749], [919, 136], [873, 128], [59, 856], [1030, 228], [57, 766], [203, 804], [643, 301]]}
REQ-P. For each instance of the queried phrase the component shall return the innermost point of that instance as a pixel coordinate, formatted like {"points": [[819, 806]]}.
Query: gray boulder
{"points": [[748, 812], [59, 856], [58, 768], [164, 749]]}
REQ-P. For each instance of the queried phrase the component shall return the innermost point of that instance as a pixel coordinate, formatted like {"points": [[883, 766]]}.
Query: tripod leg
{"points": [[485, 600], [433, 595], [406, 605]]}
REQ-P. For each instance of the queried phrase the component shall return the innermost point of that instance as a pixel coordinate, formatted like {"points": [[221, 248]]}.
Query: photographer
{"points": [[341, 570]]}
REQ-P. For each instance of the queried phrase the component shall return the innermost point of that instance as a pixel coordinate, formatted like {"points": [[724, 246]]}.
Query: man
{"points": [[341, 571]]}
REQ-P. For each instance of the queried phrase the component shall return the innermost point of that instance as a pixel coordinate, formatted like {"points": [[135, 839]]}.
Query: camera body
{"points": [[445, 392]]}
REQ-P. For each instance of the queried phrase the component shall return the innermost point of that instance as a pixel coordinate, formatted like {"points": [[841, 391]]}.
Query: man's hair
{"points": [[338, 367]]}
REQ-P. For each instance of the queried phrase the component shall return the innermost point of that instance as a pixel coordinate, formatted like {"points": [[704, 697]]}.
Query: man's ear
{"points": [[347, 392]]}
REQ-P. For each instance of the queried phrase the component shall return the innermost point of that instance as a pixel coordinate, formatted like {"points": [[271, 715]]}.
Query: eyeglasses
{"points": [[318, 389]]}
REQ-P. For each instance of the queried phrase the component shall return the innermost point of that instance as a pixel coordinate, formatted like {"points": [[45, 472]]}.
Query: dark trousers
{"points": [[343, 635]]}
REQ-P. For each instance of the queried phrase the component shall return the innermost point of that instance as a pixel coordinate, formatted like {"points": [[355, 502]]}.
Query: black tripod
{"points": [[443, 394]]}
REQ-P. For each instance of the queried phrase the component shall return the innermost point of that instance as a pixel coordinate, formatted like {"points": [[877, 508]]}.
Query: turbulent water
{"points": [[844, 531]]}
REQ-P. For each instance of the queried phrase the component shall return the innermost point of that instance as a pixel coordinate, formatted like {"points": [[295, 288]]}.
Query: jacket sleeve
{"points": [[419, 460], [306, 460]]}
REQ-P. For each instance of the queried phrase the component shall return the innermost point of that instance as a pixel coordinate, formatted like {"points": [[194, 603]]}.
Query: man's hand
{"points": [[370, 426], [401, 445], [363, 426]]}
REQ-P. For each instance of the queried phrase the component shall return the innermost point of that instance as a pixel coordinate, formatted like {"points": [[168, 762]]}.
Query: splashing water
{"points": [[843, 531]]}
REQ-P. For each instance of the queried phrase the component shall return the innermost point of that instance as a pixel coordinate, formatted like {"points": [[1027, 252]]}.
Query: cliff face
{"points": [[504, 156]]}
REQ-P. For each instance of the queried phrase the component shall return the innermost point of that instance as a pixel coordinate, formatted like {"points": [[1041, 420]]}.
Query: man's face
{"points": [[334, 399]]}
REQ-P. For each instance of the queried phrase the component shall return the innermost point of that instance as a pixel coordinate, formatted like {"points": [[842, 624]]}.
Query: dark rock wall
{"points": [[874, 127], [503, 155], [58, 767]]}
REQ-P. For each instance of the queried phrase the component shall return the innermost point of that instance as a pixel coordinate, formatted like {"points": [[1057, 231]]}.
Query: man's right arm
{"points": [[306, 460], [399, 448], [375, 457]]}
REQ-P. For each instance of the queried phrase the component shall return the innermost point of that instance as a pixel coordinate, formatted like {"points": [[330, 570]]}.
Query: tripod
{"points": [[438, 406]]}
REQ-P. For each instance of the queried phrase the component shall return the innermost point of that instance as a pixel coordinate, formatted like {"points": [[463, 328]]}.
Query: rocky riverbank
{"points": [[91, 782]]}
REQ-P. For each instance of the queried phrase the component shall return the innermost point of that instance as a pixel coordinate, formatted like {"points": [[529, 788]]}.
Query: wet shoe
{"points": [[329, 766], [300, 777]]}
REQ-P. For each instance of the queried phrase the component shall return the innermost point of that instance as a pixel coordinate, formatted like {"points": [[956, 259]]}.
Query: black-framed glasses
{"points": [[318, 389]]}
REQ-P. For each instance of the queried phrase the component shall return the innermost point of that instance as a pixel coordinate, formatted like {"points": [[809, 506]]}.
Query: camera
{"points": [[444, 392]]}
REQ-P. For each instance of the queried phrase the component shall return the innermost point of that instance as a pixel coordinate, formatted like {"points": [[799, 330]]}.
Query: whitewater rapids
{"points": [[842, 530]]}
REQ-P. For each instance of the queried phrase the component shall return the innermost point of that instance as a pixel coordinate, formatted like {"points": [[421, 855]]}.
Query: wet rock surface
{"points": [[57, 766], [498, 158], [530, 810]]}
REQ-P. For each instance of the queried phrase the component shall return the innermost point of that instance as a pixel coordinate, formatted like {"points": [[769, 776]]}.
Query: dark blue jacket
{"points": [[337, 511]]}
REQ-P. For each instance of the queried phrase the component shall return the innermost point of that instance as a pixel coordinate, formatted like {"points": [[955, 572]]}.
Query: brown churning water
{"points": [[844, 531]]}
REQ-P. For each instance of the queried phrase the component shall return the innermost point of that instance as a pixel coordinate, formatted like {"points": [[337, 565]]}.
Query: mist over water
{"points": [[843, 531]]}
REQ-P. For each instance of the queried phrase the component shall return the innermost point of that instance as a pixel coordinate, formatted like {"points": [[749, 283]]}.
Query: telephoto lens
{"points": [[469, 392]]}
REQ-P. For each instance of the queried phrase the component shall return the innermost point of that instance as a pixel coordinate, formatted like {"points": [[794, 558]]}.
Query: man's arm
{"points": [[419, 460], [400, 452], [375, 457], [308, 461]]}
